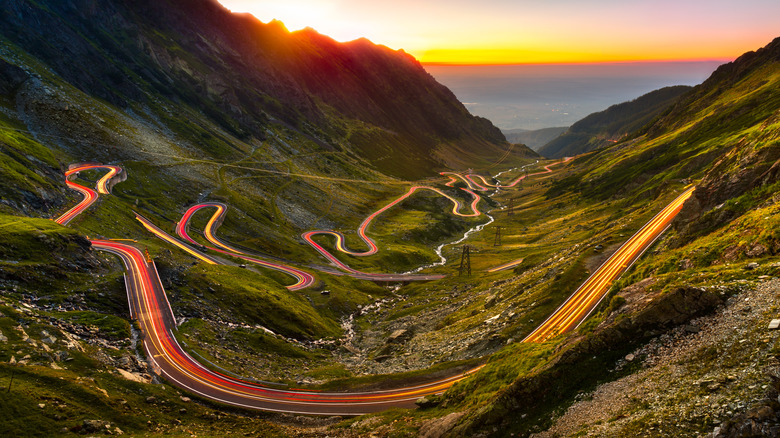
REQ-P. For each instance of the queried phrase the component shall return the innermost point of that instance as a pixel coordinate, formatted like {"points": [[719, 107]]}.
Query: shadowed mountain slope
{"points": [[611, 125], [535, 138], [244, 75]]}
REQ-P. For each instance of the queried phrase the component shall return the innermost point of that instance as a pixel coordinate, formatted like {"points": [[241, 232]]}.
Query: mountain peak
{"points": [[278, 24], [246, 74]]}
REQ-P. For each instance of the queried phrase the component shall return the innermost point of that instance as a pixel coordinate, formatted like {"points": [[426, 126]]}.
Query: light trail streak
{"points": [[582, 302], [372, 247], [473, 185], [511, 264], [150, 306], [148, 303], [303, 278], [90, 196], [157, 231]]}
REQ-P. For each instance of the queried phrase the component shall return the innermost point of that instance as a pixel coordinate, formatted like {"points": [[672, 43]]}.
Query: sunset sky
{"points": [[536, 31]]}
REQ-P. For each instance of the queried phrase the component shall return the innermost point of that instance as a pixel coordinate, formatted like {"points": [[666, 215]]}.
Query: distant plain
{"points": [[536, 96]]}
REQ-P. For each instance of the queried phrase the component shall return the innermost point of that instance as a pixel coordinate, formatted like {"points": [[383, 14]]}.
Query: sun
{"points": [[323, 16]]}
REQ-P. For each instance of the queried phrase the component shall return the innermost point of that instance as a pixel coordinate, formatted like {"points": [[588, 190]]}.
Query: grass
{"points": [[251, 352], [377, 382], [721, 254], [515, 361], [68, 399], [30, 240], [598, 199], [32, 265], [109, 326], [258, 302], [329, 372], [24, 164]]}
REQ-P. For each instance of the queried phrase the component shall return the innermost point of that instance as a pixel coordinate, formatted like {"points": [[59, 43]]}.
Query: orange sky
{"points": [[537, 31]]}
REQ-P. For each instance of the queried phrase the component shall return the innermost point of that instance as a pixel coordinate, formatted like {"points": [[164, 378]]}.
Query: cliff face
{"points": [[245, 74]]}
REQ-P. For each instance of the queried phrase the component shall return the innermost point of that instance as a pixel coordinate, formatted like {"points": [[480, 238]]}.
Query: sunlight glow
{"points": [[322, 15], [533, 31]]}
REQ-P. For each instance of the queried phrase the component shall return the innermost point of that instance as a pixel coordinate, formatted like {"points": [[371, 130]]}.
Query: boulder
{"points": [[135, 377], [691, 328], [438, 427], [11, 77], [426, 402], [399, 336], [95, 425]]}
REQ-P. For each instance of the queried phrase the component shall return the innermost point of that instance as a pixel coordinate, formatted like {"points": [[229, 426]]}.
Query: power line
{"points": [[465, 262]]}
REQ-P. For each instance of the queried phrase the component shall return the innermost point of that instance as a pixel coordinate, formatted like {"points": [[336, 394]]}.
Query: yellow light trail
{"points": [[582, 302], [154, 229], [511, 264]]}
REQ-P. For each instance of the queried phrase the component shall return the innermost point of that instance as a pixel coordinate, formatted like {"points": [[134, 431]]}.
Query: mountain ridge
{"points": [[534, 138], [611, 125], [177, 112], [725, 134], [247, 74]]}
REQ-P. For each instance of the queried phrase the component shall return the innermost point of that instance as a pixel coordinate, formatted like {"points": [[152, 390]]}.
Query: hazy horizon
{"points": [[535, 96]]}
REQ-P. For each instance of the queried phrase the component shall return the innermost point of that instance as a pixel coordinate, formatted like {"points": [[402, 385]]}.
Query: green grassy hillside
{"points": [[723, 137], [295, 132]]}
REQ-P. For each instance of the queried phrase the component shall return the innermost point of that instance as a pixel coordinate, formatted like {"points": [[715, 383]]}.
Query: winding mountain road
{"points": [[372, 247], [485, 186], [157, 231], [303, 278], [150, 307], [103, 187], [582, 302]]}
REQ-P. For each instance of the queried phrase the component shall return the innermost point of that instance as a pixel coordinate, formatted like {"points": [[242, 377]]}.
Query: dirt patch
{"points": [[599, 257]]}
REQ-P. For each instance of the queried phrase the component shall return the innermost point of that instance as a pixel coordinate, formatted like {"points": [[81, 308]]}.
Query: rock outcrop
{"points": [[573, 368]]}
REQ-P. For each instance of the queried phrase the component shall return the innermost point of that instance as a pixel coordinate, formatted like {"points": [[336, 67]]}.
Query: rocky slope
{"points": [[724, 370]]}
